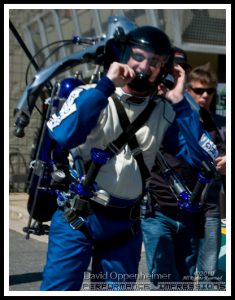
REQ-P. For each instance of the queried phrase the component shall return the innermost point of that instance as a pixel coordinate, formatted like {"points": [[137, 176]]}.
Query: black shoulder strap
{"points": [[128, 134], [129, 129]]}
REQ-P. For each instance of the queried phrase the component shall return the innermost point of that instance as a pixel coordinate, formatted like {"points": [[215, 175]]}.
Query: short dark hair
{"points": [[204, 73]]}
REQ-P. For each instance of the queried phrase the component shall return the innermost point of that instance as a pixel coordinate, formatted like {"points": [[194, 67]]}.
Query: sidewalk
{"points": [[19, 216]]}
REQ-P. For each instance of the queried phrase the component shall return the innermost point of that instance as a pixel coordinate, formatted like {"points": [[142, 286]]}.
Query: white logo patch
{"points": [[66, 110], [208, 146]]}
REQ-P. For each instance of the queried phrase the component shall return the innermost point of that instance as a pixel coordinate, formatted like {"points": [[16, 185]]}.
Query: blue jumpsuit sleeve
{"points": [[77, 117], [183, 136]]}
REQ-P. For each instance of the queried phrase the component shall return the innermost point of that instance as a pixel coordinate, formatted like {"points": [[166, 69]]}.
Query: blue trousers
{"points": [[209, 248], [70, 252], [171, 246]]}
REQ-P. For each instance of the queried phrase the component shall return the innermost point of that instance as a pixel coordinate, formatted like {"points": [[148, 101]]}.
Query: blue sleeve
{"points": [[183, 136], [71, 126]]}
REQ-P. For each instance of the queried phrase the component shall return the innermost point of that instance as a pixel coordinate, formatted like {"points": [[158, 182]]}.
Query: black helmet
{"points": [[150, 38]]}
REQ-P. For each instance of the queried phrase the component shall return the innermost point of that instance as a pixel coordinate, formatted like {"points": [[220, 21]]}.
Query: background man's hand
{"points": [[177, 93]]}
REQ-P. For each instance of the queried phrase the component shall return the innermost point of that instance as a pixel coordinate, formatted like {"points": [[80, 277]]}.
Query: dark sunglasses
{"points": [[200, 91], [152, 61]]}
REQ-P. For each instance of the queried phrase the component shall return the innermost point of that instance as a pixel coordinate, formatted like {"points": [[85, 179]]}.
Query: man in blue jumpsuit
{"points": [[111, 234]]}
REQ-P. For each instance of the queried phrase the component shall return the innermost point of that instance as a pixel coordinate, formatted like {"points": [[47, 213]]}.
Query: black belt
{"points": [[131, 212], [88, 207]]}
